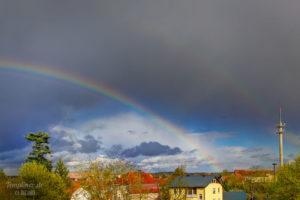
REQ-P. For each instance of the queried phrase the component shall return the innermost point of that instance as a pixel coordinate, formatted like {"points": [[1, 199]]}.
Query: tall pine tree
{"points": [[62, 171], [40, 149]]}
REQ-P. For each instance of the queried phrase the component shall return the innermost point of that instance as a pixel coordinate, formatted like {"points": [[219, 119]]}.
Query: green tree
{"points": [[63, 172], [40, 183], [287, 186], [2, 175], [164, 190], [40, 149]]}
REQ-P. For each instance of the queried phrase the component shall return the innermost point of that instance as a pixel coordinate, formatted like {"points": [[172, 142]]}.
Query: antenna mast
{"points": [[280, 132]]}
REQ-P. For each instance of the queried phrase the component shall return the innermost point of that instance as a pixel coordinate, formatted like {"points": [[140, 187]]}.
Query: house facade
{"points": [[196, 188]]}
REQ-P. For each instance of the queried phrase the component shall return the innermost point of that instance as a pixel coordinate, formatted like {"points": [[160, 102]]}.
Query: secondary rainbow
{"points": [[96, 87]]}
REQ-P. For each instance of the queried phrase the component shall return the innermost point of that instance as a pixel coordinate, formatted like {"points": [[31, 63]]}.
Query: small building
{"points": [[196, 188]]}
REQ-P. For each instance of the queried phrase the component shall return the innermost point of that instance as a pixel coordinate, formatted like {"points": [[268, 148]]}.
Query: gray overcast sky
{"points": [[221, 66]]}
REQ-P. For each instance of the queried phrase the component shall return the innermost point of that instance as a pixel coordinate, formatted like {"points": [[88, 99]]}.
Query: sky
{"points": [[218, 71]]}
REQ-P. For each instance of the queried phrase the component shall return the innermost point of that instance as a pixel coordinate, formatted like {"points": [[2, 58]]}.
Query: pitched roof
{"points": [[77, 175], [144, 188], [234, 196], [136, 177], [192, 181]]}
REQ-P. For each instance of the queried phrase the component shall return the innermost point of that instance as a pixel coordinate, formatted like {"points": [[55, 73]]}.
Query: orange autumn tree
{"points": [[100, 179]]}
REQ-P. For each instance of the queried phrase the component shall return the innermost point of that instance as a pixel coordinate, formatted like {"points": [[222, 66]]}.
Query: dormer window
{"points": [[214, 181]]}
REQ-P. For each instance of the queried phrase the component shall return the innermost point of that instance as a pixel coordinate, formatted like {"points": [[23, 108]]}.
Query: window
{"points": [[200, 197], [174, 191], [218, 190], [214, 190], [191, 192]]}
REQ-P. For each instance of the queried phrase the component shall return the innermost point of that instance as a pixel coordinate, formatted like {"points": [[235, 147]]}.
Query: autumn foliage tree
{"points": [[164, 190], [100, 178]]}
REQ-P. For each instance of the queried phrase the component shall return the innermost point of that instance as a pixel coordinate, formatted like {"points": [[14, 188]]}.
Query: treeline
{"points": [[284, 186], [37, 179]]}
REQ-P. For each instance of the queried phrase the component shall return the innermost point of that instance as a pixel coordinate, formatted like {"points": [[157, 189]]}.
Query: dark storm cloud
{"points": [[89, 144], [115, 151], [187, 55], [29, 104], [65, 142], [197, 60], [150, 149]]}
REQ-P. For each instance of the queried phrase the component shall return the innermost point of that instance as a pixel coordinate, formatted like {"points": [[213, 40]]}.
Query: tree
{"points": [[40, 183], [287, 186], [40, 149], [164, 190], [3, 189], [2, 175], [101, 179], [62, 171], [140, 184], [232, 183]]}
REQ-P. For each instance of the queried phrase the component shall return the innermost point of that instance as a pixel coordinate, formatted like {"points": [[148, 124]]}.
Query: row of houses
{"points": [[191, 187], [254, 176], [125, 187]]}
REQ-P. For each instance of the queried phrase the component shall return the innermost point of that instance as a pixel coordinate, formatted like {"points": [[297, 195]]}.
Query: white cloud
{"points": [[131, 130], [170, 162], [234, 157], [230, 157], [127, 129], [78, 143], [77, 146]]}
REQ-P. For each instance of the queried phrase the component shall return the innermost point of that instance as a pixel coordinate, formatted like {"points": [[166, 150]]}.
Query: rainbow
{"points": [[247, 94], [101, 89]]}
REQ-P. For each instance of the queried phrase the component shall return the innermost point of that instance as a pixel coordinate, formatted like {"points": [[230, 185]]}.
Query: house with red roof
{"points": [[129, 186], [140, 185]]}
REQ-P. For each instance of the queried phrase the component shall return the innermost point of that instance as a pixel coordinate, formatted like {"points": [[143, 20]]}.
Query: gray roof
{"points": [[234, 196], [192, 181]]}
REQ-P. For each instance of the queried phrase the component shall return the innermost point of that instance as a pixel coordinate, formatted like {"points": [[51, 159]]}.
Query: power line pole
{"points": [[274, 171]]}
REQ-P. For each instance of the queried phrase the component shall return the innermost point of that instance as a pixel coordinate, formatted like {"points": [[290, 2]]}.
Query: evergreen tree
{"points": [[2, 174], [62, 171], [40, 149]]}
